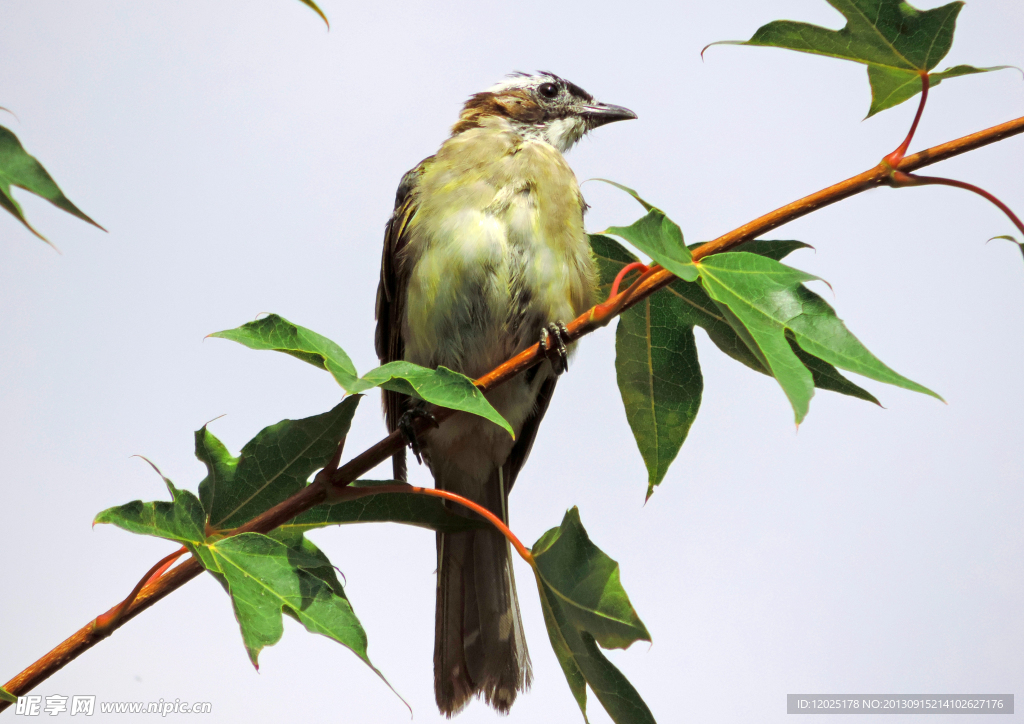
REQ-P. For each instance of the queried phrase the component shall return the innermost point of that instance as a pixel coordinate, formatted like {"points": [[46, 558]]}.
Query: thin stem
{"points": [[603, 313], [497, 522], [622, 273], [103, 623], [169, 561], [906, 179], [332, 464], [870, 179], [894, 158], [86, 637], [632, 290]]}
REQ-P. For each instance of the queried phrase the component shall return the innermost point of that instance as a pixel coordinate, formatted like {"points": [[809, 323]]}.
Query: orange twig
{"points": [[86, 637]]}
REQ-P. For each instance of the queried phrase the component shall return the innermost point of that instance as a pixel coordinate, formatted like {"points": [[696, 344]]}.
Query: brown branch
{"points": [[599, 316], [88, 636]]}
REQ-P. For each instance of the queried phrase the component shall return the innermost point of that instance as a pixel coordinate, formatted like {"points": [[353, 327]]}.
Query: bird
{"points": [[484, 255]]}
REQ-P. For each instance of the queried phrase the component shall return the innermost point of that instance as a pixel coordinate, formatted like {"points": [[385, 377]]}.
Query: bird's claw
{"points": [[406, 425], [555, 350]]}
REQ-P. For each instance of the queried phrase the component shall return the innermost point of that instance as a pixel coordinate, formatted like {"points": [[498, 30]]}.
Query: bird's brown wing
{"points": [[391, 299]]}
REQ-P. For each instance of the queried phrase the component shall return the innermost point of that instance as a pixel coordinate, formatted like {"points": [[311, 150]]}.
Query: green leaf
{"points": [[7, 696], [659, 379], [587, 582], [657, 236], [891, 86], [220, 464], [884, 33], [1007, 237], [736, 342], [585, 605], [656, 360], [273, 465], [441, 387], [827, 377], [895, 40], [18, 168], [410, 508], [777, 249], [325, 571], [656, 367], [768, 299], [611, 257], [279, 335], [317, 10], [265, 577], [180, 519]]}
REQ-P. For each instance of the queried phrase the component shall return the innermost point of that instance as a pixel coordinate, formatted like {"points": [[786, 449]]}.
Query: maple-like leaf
{"points": [[896, 41], [585, 606]]}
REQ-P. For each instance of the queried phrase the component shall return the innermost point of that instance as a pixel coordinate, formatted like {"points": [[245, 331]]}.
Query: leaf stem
{"points": [[603, 313], [894, 158], [906, 179], [104, 623], [622, 273], [86, 637], [494, 520]]}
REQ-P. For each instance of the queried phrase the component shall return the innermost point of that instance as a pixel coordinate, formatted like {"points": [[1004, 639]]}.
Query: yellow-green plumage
{"points": [[495, 250], [486, 247]]}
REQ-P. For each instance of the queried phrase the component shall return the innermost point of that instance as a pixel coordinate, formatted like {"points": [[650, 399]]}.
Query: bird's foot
{"points": [[552, 342], [407, 426]]}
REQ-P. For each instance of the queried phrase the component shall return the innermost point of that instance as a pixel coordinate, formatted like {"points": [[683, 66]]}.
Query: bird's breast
{"points": [[496, 250]]}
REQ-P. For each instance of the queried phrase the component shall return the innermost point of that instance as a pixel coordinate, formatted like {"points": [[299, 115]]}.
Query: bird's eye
{"points": [[549, 90]]}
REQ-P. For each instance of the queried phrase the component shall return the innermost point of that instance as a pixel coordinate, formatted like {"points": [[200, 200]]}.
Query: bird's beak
{"points": [[599, 114]]}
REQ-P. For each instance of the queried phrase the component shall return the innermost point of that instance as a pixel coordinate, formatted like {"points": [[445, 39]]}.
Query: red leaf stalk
{"points": [[894, 158], [497, 522], [906, 179]]}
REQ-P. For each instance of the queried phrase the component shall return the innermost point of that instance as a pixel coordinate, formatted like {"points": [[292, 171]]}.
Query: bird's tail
{"points": [[479, 647]]}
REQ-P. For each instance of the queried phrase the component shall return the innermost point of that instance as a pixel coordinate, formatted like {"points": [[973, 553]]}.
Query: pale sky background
{"points": [[244, 160]]}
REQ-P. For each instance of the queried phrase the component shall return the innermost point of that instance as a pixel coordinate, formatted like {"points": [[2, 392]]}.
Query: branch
{"points": [[88, 636]]}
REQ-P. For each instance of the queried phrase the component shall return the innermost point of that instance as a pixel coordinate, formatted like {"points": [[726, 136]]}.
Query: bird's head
{"points": [[542, 107]]}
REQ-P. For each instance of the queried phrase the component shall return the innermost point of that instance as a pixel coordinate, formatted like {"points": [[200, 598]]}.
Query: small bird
{"points": [[484, 255]]}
